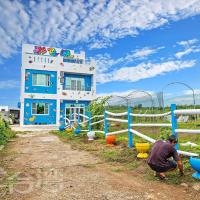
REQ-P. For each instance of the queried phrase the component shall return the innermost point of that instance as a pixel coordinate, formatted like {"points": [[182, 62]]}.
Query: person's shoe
{"points": [[161, 176]]}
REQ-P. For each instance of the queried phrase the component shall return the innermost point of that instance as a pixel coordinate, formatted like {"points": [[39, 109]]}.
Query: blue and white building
{"points": [[54, 83]]}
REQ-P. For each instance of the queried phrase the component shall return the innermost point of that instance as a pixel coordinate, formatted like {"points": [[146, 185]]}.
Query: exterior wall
{"points": [[49, 62], [33, 119], [57, 63], [65, 104], [29, 88], [4, 108]]}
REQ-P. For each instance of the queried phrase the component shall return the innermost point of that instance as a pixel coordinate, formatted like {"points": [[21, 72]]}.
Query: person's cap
{"points": [[172, 138]]}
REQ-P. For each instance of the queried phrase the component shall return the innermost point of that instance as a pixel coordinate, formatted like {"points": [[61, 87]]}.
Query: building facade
{"points": [[54, 83]]}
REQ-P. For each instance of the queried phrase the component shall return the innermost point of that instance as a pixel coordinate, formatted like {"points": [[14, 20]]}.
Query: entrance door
{"points": [[73, 111]]}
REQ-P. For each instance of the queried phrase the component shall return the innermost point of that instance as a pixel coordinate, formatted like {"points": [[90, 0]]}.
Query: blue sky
{"points": [[136, 44]]}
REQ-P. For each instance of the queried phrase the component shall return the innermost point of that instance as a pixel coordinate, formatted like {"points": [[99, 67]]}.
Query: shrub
{"points": [[5, 132]]}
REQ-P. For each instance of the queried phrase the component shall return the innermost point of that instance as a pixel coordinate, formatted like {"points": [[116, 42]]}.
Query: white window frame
{"points": [[74, 109], [36, 108], [48, 81], [70, 79]]}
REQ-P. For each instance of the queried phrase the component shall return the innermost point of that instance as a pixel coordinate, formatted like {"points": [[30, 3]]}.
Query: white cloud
{"points": [[186, 43], [104, 62], [189, 47], [131, 93], [95, 23], [117, 93], [180, 54], [189, 92], [141, 53], [183, 100], [9, 84], [144, 70]]}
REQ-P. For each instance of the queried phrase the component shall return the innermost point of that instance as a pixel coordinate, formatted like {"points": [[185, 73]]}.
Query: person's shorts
{"points": [[171, 164]]}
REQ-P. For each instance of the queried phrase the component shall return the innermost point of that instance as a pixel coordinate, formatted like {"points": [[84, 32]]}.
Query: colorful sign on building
{"points": [[40, 50]]}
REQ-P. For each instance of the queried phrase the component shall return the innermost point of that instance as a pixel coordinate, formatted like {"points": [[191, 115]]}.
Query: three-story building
{"points": [[54, 83]]}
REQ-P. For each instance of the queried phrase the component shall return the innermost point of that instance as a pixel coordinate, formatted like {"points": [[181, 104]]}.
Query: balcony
{"points": [[79, 88], [82, 93]]}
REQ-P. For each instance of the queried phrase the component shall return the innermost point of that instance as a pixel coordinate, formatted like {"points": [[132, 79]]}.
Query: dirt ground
{"points": [[38, 166]]}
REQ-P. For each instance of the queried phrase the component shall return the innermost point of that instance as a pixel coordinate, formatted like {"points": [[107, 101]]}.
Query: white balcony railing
{"points": [[81, 88], [78, 95]]}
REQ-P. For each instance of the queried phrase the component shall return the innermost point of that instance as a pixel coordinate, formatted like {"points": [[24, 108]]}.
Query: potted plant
{"points": [[142, 149]]}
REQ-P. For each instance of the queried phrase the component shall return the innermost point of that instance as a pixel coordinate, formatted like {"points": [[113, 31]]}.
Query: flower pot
{"points": [[195, 164], [69, 130], [110, 139], [62, 128], [91, 135], [77, 131], [142, 149]]}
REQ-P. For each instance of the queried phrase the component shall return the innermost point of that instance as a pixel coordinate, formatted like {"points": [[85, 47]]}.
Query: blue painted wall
{"points": [[65, 103], [87, 80], [29, 88], [39, 119]]}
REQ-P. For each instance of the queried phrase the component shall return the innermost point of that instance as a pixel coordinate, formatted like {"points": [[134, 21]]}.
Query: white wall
{"points": [[4, 108], [50, 63]]}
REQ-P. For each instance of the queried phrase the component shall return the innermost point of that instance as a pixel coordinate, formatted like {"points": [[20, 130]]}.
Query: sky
{"points": [[137, 45]]}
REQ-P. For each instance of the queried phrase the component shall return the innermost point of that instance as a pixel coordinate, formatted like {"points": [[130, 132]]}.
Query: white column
{"points": [[22, 96], [21, 112], [94, 80], [59, 92], [58, 112]]}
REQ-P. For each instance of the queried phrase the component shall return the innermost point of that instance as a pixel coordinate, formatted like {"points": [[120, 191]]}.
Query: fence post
{"points": [[70, 120], [89, 121], [105, 123], [174, 122], [130, 135], [79, 122]]}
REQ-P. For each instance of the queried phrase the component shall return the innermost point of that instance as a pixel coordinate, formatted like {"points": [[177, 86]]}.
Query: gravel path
{"points": [[41, 167]]}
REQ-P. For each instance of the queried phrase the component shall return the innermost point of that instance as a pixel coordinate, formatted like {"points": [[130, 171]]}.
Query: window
{"points": [[41, 80], [40, 108], [75, 84]]}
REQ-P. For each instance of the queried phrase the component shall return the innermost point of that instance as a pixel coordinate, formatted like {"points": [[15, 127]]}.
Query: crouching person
{"points": [[159, 159]]}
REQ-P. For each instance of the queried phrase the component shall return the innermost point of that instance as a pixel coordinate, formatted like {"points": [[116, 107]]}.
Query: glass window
{"points": [[74, 83], [40, 108], [41, 79], [79, 85]]}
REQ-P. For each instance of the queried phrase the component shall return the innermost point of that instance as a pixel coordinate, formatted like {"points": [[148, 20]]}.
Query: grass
{"points": [[125, 158]]}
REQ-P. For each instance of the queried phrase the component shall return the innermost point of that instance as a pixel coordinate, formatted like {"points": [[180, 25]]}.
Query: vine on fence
{"points": [[97, 107]]}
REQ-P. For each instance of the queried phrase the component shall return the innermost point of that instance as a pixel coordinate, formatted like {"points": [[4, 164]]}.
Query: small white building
{"points": [[4, 108], [55, 83]]}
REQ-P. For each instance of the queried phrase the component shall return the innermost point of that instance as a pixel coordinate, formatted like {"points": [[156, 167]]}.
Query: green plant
{"points": [[165, 133], [5, 132], [97, 107]]}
